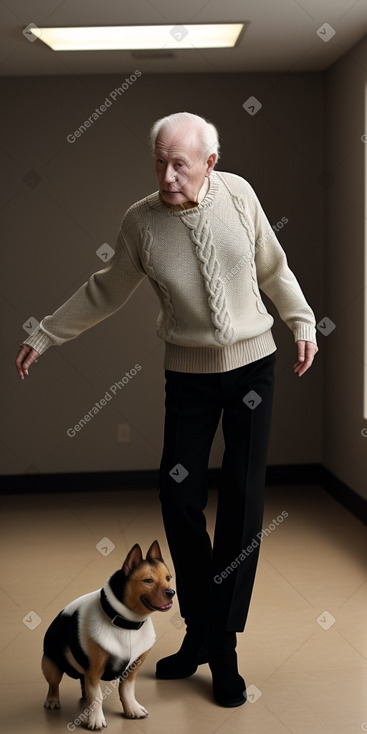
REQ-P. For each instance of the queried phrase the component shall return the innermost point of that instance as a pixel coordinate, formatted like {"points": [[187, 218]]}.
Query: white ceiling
{"points": [[281, 35]]}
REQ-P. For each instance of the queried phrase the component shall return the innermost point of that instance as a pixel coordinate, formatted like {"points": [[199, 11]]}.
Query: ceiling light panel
{"points": [[126, 38]]}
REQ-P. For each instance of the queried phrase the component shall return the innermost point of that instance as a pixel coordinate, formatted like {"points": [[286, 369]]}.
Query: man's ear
{"points": [[210, 163], [132, 560]]}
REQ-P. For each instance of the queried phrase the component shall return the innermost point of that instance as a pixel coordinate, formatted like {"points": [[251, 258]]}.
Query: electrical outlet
{"points": [[123, 432]]}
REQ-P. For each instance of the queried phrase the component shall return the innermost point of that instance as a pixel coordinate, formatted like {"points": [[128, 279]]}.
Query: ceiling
{"points": [[281, 35]]}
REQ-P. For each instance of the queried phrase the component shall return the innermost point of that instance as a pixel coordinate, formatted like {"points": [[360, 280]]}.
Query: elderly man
{"points": [[207, 248]]}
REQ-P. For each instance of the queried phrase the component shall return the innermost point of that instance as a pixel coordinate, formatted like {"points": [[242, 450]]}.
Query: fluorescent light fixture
{"points": [[126, 38]]}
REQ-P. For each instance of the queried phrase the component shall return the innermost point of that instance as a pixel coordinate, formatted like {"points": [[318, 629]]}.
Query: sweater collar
{"points": [[205, 199]]}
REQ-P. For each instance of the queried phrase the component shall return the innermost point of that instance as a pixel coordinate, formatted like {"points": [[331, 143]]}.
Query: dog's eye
{"points": [[147, 581], [168, 578]]}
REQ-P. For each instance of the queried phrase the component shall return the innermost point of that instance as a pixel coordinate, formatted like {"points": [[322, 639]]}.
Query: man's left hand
{"points": [[306, 353]]}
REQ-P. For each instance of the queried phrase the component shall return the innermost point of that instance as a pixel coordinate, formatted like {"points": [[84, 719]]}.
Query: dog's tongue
{"points": [[166, 606]]}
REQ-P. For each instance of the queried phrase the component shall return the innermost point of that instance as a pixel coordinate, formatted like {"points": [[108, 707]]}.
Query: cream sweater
{"points": [[206, 265]]}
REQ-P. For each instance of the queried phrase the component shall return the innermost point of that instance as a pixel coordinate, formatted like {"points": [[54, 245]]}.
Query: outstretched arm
{"points": [[103, 294]]}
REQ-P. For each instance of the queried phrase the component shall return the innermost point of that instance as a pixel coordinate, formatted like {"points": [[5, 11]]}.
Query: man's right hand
{"points": [[26, 356]]}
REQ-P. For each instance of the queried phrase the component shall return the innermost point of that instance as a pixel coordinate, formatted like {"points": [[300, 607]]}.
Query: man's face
{"points": [[180, 165]]}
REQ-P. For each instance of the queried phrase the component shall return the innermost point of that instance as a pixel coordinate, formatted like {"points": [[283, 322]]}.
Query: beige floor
{"points": [[304, 651]]}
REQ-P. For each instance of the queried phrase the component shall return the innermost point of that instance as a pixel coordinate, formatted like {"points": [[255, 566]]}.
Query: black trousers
{"points": [[214, 581]]}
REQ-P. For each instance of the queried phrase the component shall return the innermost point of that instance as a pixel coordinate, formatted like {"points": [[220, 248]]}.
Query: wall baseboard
{"points": [[298, 474], [294, 474]]}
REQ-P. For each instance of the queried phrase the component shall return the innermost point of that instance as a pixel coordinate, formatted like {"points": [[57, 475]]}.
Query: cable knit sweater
{"points": [[206, 265]]}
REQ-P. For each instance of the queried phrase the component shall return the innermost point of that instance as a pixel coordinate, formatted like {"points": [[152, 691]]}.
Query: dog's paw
{"points": [[52, 703], [96, 720], [135, 711]]}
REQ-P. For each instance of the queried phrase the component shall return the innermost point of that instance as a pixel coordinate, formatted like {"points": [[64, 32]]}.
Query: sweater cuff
{"points": [[306, 332], [39, 341]]}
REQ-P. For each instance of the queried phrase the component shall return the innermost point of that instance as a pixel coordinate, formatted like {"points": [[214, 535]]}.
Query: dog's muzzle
{"points": [[165, 607]]}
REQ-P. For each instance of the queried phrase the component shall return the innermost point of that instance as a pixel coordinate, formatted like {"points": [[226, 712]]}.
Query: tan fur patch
{"points": [[154, 590]]}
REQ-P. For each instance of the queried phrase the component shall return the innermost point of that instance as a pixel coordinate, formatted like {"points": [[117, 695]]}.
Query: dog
{"points": [[107, 634]]}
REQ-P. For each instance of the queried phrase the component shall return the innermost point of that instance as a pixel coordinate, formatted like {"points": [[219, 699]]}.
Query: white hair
{"points": [[207, 132]]}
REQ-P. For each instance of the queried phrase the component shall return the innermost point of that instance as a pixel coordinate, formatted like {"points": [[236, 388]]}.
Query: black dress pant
{"points": [[214, 581]]}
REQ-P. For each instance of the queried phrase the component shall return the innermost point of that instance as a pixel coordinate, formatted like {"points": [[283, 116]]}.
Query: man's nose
{"points": [[170, 174]]}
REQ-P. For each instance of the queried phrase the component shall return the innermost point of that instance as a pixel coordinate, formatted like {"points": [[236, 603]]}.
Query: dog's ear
{"points": [[154, 552], [132, 560]]}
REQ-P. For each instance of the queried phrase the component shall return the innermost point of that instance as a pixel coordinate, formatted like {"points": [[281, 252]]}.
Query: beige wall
{"points": [[345, 449], [51, 232]]}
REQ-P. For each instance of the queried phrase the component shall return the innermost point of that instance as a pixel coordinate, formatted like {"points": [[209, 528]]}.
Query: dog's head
{"points": [[144, 585]]}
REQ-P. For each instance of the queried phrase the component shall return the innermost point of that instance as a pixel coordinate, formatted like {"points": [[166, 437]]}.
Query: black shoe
{"points": [[229, 688], [193, 652]]}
